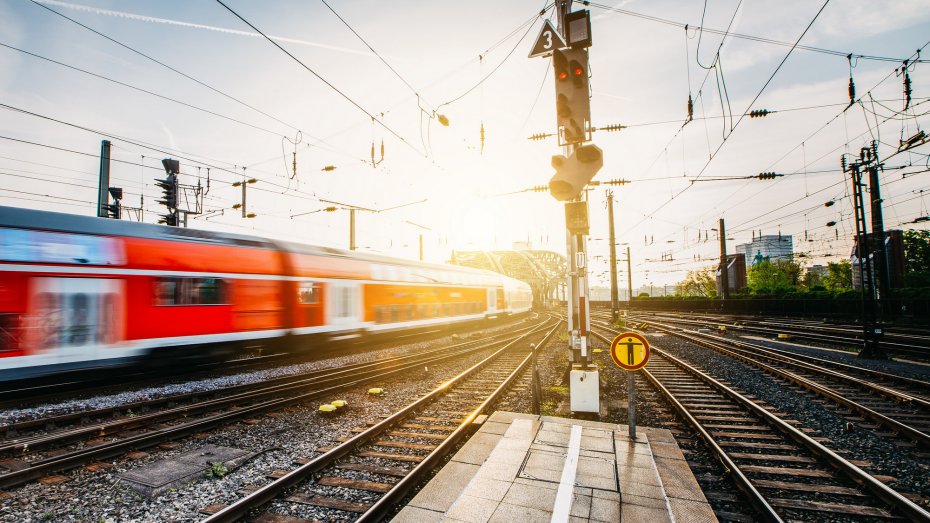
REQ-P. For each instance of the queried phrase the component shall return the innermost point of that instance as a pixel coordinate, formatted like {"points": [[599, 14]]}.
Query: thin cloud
{"points": [[167, 21]]}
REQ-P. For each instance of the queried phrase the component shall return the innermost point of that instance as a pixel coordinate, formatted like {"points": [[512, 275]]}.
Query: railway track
{"points": [[49, 450], [907, 345], [785, 473], [898, 403], [366, 475]]}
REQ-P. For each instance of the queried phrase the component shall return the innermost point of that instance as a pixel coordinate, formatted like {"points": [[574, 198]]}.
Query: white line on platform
{"points": [[563, 498]]}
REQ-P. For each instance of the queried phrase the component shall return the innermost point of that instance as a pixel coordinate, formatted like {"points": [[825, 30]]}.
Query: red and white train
{"points": [[80, 292]]}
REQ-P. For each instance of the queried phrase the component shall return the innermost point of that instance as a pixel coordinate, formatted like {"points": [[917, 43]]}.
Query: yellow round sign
{"points": [[630, 351]]}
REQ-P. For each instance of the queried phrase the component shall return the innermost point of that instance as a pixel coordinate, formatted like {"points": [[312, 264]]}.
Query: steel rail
{"points": [[818, 388], [758, 501], [263, 495], [75, 458], [893, 498], [821, 361], [14, 444]]}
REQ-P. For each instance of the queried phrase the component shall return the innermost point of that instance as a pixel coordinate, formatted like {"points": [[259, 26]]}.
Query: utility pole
{"points": [[352, 229], [103, 184], [879, 254], [724, 270], [871, 319], [629, 279], [614, 294]]}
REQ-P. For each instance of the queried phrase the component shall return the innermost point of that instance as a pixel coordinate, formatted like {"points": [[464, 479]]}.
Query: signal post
{"points": [[568, 45]]}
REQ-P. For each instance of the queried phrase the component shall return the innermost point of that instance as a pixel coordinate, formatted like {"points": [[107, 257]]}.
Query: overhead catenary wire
{"points": [[760, 39], [735, 125], [325, 81]]}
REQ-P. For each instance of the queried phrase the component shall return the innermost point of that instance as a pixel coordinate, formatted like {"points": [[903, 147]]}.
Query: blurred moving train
{"points": [[81, 292]]}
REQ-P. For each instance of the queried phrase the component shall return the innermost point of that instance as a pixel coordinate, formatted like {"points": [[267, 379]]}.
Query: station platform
{"points": [[526, 468]]}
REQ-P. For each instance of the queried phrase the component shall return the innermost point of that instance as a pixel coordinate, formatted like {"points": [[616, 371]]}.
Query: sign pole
{"points": [[631, 392], [630, 352]]}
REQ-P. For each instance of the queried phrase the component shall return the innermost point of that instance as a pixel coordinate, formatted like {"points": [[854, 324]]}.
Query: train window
{"points": [[308, 293], [19, 245], [190, 291]]}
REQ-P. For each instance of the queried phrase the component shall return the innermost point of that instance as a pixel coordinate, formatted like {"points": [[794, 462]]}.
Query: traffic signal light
{"points": [[170, 188], [170, 219], [113, 210], [574, 172], [572, 104]]}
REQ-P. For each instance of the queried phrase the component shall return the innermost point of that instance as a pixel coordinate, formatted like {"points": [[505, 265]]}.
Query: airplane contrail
{"points": [[167, 21]]}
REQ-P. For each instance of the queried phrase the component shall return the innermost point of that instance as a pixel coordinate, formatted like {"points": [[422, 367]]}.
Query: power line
{"points": [[372, 49], [140, 89], [166, 66], [822, 50], [132, 142], [328, 84], [733, 129]]}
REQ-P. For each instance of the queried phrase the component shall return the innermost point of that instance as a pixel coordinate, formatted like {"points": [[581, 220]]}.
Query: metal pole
{"points": [[243, 195], [631, 409], [421, 247], [879, 256], [351, 229], [614, 293], [103, 184], [629, 279], [724, 271], [535, 384]]}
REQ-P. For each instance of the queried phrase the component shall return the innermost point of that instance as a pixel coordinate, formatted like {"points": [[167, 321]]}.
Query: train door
{"points": [[492, 301], [344, 304], [75, 319]]}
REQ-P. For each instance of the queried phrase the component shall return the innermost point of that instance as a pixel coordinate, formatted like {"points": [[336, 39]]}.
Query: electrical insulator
{"points": [[482, 137], [829, 204], [759, 113], [690, 108], [330, 209], [831, 223], [907, 88], [852, 91], [767, 176], [329, 168]]}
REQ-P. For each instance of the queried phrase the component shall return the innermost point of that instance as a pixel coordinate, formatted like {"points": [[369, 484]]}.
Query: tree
{"points": [[838, 276], [917, 250], [774, 276], [917, 258], [701, 282]]}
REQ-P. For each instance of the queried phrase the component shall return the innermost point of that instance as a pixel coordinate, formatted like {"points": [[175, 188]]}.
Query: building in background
{"points": [[768, 247], [736, 274]]}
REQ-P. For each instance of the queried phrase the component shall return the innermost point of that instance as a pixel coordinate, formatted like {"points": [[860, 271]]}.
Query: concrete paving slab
{"points": [[411, 514], [517, 462], [160, 476], [446, 487], [507, 513], [477, 449]]}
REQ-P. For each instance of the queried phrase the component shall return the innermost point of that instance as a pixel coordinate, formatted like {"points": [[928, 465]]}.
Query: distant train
{"points": [[81, 292]]}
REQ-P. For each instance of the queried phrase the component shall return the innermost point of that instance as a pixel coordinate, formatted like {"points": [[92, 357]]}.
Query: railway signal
{"points": [[114, 209], [572, 104], [572, 173]]}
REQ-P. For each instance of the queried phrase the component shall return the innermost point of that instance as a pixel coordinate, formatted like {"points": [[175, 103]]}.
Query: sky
{"points": [[193, 81]]}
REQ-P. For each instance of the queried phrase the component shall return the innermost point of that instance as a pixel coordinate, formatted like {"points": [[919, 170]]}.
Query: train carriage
{"points": [[82, 292]]}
